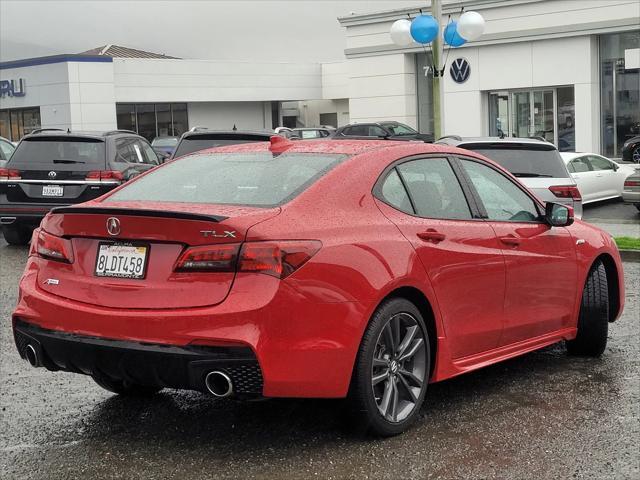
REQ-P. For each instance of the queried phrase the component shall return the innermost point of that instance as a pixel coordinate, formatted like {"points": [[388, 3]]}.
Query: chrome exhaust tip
{"points": [[31, 355], [218, 384]]}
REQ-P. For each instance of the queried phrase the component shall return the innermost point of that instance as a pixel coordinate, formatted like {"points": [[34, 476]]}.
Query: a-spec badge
{"points": [[113, 226]]}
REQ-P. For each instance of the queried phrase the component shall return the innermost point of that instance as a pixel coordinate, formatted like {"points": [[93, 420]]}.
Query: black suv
{"points": [[200, 138], [52, 167], [381, 130]]}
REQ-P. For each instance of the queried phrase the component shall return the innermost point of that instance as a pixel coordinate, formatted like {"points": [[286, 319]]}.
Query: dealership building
{"points": [[564, 70]]}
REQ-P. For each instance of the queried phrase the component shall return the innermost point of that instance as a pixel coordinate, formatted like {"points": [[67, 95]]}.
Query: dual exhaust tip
{"points": [[218, 384]]}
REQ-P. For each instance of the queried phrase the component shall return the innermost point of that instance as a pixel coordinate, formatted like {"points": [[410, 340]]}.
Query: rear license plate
{"points": [[52, 191], [122, 260]]}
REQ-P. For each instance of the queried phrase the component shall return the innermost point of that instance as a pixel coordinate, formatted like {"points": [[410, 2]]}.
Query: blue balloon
{"points": [[424, 28], [451, 35]]}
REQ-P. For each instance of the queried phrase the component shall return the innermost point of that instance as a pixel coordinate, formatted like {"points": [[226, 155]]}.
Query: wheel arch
{"points": [[420, 300], [613, 283]]}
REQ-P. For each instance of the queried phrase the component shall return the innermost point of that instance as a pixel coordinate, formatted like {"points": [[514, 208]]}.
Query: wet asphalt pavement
{"points": [[541, 416]]}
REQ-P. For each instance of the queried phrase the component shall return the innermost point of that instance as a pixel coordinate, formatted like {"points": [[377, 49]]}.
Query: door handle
{"points": [[431, 235], [510, 240]]}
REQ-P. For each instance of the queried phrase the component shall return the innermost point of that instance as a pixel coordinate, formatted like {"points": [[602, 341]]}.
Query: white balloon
{"points": [[471, 26], [400, 32]]}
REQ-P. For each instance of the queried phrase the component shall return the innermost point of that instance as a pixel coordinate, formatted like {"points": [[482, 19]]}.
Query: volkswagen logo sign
{"points": [[52, 174], [113, 226], [460, 70]]}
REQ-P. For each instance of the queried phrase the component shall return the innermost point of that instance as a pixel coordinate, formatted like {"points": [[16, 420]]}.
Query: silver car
{"points": [[631, 189], [536, 163]]}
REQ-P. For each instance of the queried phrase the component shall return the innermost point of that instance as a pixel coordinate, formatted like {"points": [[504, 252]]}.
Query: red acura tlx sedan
{"points": [[359, 269]]}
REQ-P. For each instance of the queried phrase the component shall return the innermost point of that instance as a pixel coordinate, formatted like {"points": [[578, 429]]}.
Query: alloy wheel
{"points": [[635, 156], [399, 367]]}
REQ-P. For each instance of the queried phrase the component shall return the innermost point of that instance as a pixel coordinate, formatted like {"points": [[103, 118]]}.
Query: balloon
{"points": [[471, 26], [424, 28], [401, 32], [451, 35]]}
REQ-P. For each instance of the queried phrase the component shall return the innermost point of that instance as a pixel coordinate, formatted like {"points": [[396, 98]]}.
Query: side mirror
{"points": [[616, 167], [558, 215], [162, 156]]}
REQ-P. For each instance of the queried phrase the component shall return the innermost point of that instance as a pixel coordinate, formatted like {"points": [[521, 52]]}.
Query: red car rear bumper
{"points": [[304, 348]]}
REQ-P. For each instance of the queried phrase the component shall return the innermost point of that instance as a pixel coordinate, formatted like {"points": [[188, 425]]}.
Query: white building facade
{"points": [[564, 70], [164, 96]]}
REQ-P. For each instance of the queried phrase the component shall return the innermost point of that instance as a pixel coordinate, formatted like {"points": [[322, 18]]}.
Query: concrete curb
{"points": [[630, 255]]}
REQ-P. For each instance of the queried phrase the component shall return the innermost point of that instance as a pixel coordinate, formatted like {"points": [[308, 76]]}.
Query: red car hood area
{"points": [[164, 232]]}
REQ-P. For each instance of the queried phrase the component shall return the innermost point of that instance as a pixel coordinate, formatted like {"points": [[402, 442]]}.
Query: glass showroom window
{"points": [[153, 120], [424, 89], [620, 90], [14, 124]]}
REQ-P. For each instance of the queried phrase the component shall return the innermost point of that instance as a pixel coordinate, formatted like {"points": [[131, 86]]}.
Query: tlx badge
{"points": [[213, 233]]}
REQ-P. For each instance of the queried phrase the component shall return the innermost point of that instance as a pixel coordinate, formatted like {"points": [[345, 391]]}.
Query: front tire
{"points": [[125, 388], [16, 234], [392, 369], [593, 322]]}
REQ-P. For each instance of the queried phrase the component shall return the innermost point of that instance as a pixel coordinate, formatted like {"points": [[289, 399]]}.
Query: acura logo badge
{"points": [[52, 174], [460, 70], [113, 226]]}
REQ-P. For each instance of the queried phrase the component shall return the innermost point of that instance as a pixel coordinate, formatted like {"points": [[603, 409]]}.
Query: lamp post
{"points": [[425, 30]]}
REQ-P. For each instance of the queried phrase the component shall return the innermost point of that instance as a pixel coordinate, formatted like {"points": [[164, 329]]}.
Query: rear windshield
{"points": [[59, 151], [202, 142], [524, 161], [253, 179]]}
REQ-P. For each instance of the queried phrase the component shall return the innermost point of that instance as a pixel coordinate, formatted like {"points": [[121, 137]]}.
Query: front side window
{"points": [[252, 178], [400, 129], [503, 200], [148, 155], [434, 189], [6, 149]]}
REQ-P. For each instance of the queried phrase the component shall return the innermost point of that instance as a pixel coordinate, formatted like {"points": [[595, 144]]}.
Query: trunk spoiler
{"points": [[139, 213]]}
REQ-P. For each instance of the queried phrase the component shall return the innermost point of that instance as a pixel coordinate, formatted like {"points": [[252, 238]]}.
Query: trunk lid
{"points": [[165, 230]]}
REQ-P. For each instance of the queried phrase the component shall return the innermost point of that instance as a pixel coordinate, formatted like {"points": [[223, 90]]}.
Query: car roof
{"points": [[205, 131], [298, 129], [101, 134], [568, 156], [344, 147], [458, 140]]}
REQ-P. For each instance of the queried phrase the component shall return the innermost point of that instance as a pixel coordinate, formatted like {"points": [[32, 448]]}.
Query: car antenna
{"points": [[234, 127]]}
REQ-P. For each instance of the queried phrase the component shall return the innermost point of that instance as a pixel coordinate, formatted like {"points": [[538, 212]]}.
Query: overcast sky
{"points": [[286, 30]]}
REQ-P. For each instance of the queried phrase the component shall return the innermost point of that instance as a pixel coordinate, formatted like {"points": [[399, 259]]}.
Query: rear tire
{"points": [[593, 322], [125, 388], [16, 234], [392, 370]]}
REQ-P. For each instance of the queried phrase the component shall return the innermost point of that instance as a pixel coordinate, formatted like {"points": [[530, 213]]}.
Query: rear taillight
{"points": [[566, 191], [9, 174], [210, 258], [52, 247], [632, 183], [102, 175], [276, 258]]}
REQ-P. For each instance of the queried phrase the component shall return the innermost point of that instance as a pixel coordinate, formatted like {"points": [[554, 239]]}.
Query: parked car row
{"points": [[52, 167]]}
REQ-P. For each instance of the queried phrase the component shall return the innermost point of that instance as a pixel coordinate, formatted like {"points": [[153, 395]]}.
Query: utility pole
{"points": [[438, 84]]}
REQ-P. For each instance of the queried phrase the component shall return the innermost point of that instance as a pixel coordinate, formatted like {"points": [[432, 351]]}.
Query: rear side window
{"points": [[434, 189], [59, 151], [394, 193], [524, 161], [578, 165], [254, 179], [202, 142]]}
